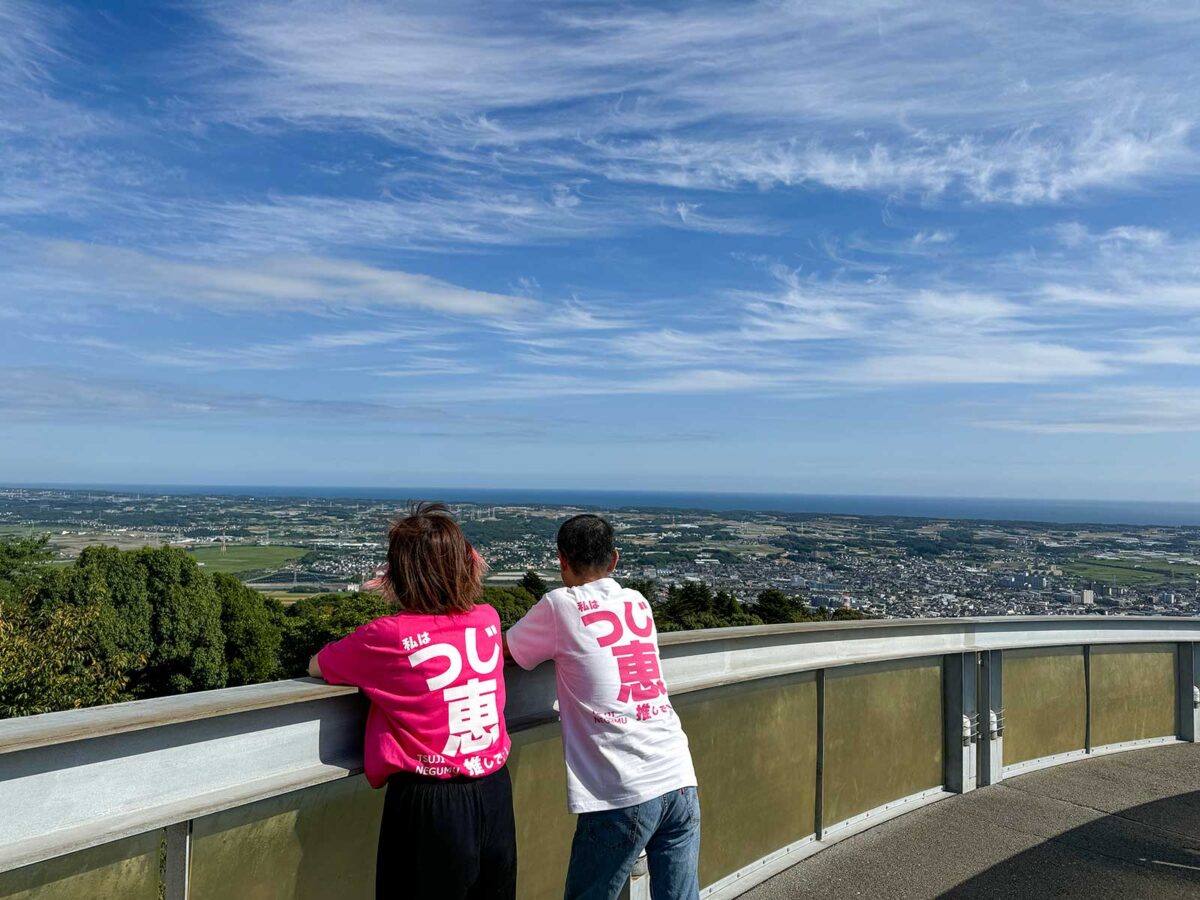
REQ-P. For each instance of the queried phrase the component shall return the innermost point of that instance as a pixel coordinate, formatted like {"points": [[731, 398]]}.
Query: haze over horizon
{"points": [[852, 249]]}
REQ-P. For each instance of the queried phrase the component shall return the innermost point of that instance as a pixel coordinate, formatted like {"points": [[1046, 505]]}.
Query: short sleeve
{"points": [[357, 658], [533, 640]]}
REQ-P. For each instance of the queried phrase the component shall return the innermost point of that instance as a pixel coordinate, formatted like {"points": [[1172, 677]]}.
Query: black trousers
{"points": [[452, 839]]}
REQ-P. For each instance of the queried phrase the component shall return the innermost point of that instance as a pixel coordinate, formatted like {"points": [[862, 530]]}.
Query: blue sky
{"points": [[852, 247]]}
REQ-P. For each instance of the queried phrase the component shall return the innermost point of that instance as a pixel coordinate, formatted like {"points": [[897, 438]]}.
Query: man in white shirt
{"points": [[629, 771]]}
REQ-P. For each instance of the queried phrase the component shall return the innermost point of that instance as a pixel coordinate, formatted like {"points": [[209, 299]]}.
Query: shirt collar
{"points": [[603, 585]]}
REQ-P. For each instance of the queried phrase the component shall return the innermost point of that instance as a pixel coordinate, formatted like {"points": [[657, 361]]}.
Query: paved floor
{"points": [[1123, 825]]}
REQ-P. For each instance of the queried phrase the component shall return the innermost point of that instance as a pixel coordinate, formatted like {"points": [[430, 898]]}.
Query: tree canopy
{"points": [[532, 582]]}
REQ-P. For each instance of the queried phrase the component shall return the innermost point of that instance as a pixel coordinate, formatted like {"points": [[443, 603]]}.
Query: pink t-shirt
{"points": [[436, 685]]}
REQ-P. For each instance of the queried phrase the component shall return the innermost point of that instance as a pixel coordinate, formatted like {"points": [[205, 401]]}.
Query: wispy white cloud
{"points": [[312, 350], [27, 43], [460, 215], [1135, 269], [55, 156], [1076, 234], [312, 284], [540, 386], [41, 394], [47, 394], [689, 216], [1004, 361], [1018, 109], [1115, 409]]}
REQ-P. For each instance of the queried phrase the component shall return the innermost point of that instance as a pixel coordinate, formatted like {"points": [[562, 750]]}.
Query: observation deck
{"points": [[805, 737]]}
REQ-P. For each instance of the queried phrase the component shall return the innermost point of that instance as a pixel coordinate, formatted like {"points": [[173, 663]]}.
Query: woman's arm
{"points": [[314, 667]]}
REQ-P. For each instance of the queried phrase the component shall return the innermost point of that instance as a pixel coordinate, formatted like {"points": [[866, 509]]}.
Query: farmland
{"points": [[242, 559]]}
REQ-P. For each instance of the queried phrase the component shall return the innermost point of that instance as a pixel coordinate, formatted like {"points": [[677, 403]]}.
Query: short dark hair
{"points": [[586, 542], [431, 567]]}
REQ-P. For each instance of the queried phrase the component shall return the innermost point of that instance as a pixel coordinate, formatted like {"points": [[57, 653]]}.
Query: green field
{"points": [[287, 598], [241, 559], [1127, 573]]}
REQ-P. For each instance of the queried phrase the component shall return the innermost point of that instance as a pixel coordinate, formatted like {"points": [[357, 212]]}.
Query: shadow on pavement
{"points": [[1133, 853]]}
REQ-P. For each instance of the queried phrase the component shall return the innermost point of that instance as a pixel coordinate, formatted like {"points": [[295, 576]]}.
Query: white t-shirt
{"points": [[621, 737]]}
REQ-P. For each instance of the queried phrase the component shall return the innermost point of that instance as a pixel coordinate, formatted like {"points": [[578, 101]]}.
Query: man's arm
{"points": [[533, 639], [314, 667]]}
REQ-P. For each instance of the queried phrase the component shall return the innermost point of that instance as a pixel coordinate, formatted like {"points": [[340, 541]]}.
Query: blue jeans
{"points": [[608, 843]]}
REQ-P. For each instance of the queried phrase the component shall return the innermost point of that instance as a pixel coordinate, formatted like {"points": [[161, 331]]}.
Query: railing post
{"points": [[819, 804], [1189, 691], [1087, 694], [960, 722], [177, 877], [991, 716]]}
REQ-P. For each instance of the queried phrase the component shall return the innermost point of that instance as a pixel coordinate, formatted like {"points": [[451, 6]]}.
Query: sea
{"points": [[1100, 512]]}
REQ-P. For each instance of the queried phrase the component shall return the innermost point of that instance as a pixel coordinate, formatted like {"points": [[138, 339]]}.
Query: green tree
{"points": [[189, 645], [22, 565], [732, 612], [311, 623], [50, 660], [159, 616], [22, 558], [647, 587], [532, 582], [690, 599], [510, 603], [693, 606], [847, 615], [116, 580], [253, 635], [774, 607]]}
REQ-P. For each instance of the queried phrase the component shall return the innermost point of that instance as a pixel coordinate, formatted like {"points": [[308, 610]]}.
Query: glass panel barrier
{"points": [[1133, 692], [544, 827], [1045, 703], [755, 750], [128, 869], [883, 735], [311, 844]]}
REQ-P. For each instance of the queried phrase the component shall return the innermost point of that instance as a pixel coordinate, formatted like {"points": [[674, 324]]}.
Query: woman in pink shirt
{"points": [[434, 672]]}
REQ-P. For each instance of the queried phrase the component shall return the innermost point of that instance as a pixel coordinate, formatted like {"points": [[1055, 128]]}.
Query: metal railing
{"points": [[801, 735]]}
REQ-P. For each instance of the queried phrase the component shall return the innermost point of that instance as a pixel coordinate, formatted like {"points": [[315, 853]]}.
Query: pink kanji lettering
{"points": [[639, 672], [643, 630], [609, 618]]}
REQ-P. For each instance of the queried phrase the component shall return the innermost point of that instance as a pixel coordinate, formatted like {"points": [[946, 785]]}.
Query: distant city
{"points": [[889, 566]]}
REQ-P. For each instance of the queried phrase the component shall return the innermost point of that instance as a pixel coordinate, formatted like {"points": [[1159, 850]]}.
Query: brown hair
{"points": [[432, 568]]}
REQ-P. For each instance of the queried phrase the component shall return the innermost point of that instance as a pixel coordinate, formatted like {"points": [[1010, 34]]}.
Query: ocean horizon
{"points": [[1055, 511]]}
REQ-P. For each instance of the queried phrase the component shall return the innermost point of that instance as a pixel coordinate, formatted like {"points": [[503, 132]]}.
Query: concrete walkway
{"points": [[1122, 825]]}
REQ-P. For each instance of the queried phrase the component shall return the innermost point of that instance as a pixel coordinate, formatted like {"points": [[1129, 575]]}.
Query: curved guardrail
{"points": [[801, 734]]}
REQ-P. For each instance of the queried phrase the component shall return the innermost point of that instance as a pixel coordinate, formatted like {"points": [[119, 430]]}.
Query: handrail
{"points": [[747, 653], [957, 622], [47, 729]]}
